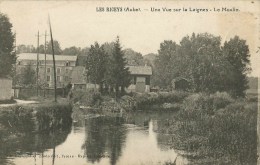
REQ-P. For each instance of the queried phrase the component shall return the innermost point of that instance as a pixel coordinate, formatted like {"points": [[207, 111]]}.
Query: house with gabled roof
{"points": [[140, 78], [64, 67]]}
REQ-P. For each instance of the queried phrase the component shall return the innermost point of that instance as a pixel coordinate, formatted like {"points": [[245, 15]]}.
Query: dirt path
{"points": [[19, 102]]}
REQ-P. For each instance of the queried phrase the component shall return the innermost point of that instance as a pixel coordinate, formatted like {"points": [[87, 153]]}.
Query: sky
{"points": [[77, 23]]}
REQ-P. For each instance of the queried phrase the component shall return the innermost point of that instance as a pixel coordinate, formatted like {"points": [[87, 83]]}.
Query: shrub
{"points": [[217, 126], [220, 100], [146, 100], [88, 98]]}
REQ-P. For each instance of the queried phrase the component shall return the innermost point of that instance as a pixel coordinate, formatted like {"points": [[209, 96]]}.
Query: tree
{"points": [[25, 49], [162, 72], [57, 49], [237, 53], [72, 51], [96, 65], [7, 56], [117, 75], [27, 76], [133, 58], [150, 58], [206, 68], [199, 59], [41, 49]]}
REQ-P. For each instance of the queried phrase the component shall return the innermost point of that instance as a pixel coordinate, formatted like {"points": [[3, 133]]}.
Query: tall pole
{"points": [[15, 61], [54, 67], [45, 82], [37, 67]]}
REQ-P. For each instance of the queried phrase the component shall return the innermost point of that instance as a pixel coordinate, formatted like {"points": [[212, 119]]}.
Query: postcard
{"points": [[129, 82]]}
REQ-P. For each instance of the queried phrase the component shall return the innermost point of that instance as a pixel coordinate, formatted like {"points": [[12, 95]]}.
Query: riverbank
{"points": [[17, 120], [214, 129], [206, 128]]}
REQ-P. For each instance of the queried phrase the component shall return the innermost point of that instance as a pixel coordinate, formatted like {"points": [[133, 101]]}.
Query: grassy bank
{"points": [[161, 100], [215, 128], [9, 101], [16, 121], [130, 102]]}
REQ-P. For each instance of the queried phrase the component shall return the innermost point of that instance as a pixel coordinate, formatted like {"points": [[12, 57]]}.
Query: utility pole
{"points": [[54, 67], [15, 61], [37, 66], [45, 81]]}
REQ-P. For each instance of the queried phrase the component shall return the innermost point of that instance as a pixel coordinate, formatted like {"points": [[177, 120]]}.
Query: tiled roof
{"points": [[140, 70], [77, 75], [33, 56]]}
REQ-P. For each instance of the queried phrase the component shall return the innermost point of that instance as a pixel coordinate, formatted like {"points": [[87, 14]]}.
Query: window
{"points": [[48, 70], [66, 78], [48, 78], [67, 70], [147, 80], [67, 63], [58, 70], [58, 78], [133, 81]]}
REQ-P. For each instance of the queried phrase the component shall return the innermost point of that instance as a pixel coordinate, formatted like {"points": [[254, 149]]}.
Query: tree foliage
{"points": [[72, 51], [117, 75], [96, 64], [106, 66], [237, 53], [208, 66], [25, 49], [7, 56], [27, 76], [134, 58], [57, 48], [162, 71]]}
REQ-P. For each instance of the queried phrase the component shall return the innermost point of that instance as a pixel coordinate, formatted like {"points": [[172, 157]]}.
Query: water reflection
{"points": [[94, 139], [29, 144], [105, 137]]}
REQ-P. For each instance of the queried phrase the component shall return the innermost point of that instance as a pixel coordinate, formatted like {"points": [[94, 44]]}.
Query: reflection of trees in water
{"points": [[95, 141], [29, 142], [105, 137]]}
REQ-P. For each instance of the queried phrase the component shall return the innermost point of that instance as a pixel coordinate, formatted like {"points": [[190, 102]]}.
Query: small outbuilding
{"points": [[141, 77], [180, 83]]}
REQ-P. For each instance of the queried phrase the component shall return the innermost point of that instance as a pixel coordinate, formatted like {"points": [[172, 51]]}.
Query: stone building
{"points": [[64, 67]]}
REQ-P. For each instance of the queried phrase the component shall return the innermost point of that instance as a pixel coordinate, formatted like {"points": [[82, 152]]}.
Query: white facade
{"points": [[6, 91]]}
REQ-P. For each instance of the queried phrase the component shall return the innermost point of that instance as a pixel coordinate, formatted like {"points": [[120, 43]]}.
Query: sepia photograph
{"points": [[129, 82]]}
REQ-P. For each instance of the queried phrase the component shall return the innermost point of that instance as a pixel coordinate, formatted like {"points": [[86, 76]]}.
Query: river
{"points": [[95, 139]]}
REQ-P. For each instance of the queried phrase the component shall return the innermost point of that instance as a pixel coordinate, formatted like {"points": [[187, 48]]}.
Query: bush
{"points": [[88, 98], [217, 126], [220, 100], [146, 100]]}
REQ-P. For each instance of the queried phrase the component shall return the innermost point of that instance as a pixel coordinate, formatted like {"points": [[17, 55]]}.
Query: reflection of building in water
{"points": [[155, 126], [137, 119]]}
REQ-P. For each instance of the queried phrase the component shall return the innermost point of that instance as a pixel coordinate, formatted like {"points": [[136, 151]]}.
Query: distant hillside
{"points": [[150, 58]]}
